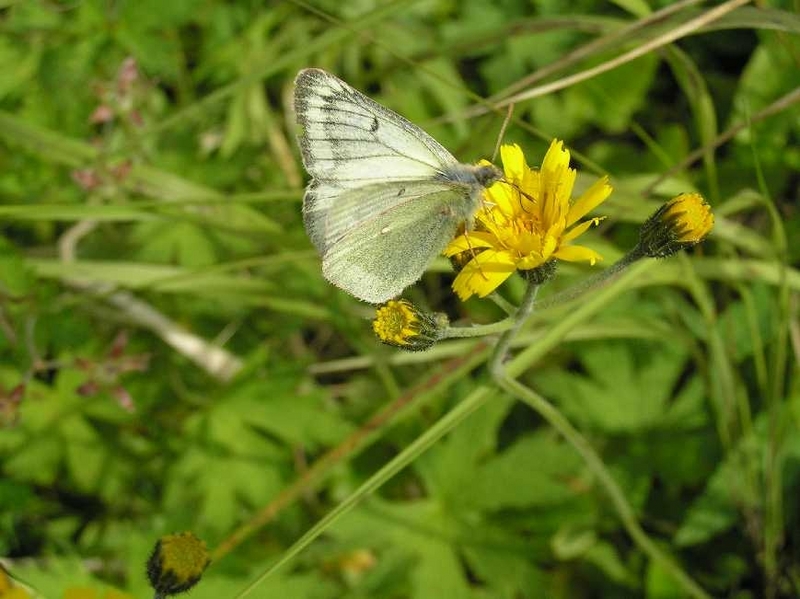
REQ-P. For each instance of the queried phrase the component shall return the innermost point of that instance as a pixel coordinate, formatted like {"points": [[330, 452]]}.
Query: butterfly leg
{"points": [[472, 250]]}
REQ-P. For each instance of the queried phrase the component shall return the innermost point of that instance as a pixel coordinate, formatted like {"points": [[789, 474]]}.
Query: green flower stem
{"points": [[479, 330], [593, 282], [592, 460], [572, 319], [504, 344], [513, 322], [502, 303], [443, 426]]}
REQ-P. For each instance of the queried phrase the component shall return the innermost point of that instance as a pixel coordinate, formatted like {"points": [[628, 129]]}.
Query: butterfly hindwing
{"points": [[390, 250], [355, 208]]}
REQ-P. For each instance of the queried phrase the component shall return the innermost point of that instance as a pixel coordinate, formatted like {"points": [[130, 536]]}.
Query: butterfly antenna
{"points": [[519, 190], [502, 133]]}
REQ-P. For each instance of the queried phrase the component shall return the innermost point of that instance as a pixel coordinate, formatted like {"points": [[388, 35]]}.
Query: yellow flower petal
{"points": [[400, 323], [549, 246], [578, 253], [590, 199], [500, 196], [513, 162], [557, 157], [693, 217], [80, 593], [557, 177], [483, 274], [470, 241], [531, 262], [581, 229]]}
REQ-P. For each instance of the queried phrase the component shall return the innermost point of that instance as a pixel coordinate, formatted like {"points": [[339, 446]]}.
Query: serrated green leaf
{"points": [[451, 466], [296, 419], [84, 453], [420, 528], [37, 462], [542, 468], [217, 485], [507, 574], [180, 243], [625, 389]]}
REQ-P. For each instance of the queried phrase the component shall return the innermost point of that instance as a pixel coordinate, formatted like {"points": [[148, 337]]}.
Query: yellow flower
{"points": [[528, 219], [684, 221]]}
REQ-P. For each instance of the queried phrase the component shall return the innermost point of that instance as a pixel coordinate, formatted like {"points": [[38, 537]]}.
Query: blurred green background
{"points": [[173, 360]]}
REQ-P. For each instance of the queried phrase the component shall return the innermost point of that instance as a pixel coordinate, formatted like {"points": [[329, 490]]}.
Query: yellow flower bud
{"points": [[684, 221], [177, 563], [401, 324]]}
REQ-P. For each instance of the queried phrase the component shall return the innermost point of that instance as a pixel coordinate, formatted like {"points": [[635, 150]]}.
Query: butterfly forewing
{"points": [[349, 137]]}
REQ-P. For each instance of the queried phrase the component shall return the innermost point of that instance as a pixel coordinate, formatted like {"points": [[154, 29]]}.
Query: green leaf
{"points": [[217, 484], [15, 276], [506, 572], [626, 388], [85, 454], [70, 212], [423, 530], [311, 586], [451, 467], [608, 100], [606, 558], [544, 469], [18, 64], [180, 243], [731, 491]]}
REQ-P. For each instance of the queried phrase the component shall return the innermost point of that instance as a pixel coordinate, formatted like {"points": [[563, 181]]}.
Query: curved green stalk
{"points": [[593, 461]]}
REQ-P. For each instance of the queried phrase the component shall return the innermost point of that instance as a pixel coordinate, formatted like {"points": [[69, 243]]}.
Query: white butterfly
{"points": [[385, 197]]}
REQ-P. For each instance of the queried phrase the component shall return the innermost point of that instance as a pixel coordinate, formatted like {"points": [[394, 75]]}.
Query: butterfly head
{"points": [[487, 174]]}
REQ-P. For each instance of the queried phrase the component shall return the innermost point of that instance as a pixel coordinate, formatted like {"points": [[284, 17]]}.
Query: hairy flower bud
{"points": [[401, 324], [684, 221], [177, 563]]}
